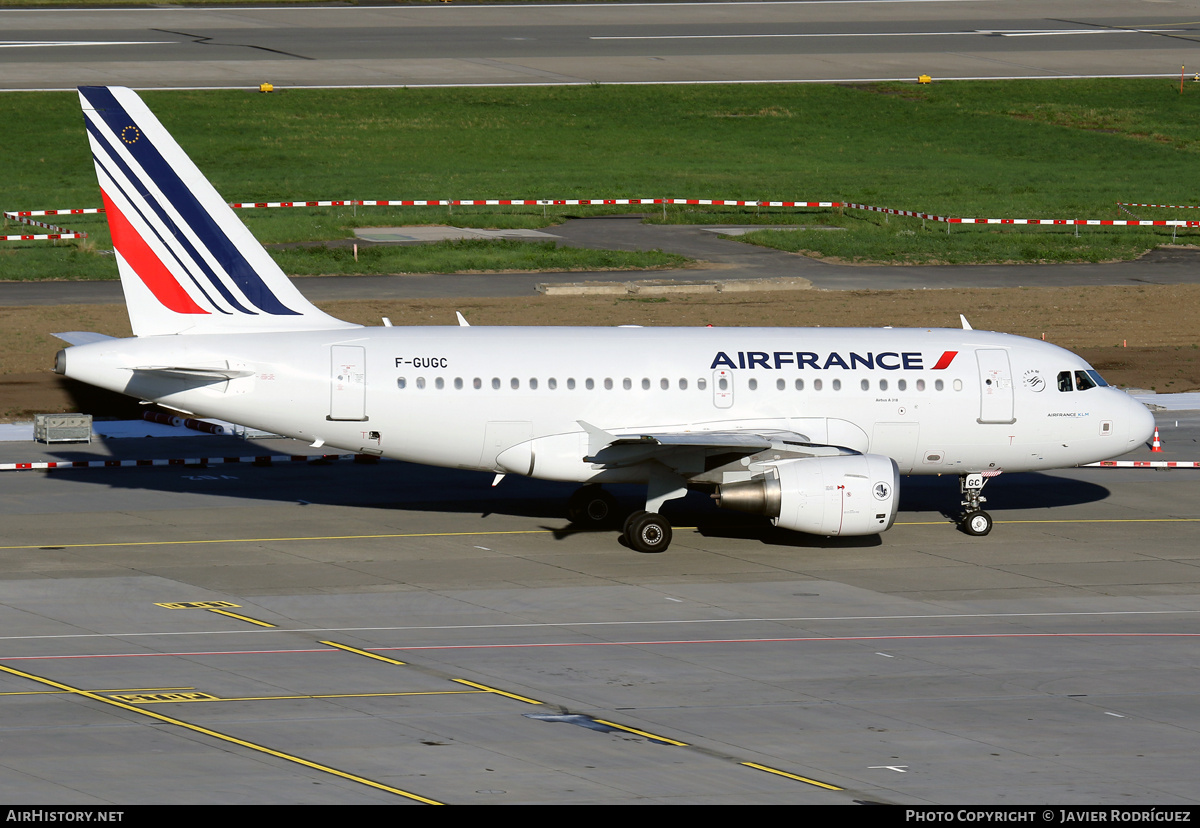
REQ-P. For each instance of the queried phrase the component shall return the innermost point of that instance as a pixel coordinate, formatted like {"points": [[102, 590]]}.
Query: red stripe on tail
{"points": [[149, 268]]}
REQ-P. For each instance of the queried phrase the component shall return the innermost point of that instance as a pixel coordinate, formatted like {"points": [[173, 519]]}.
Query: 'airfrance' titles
{"points": [[887, 361]]}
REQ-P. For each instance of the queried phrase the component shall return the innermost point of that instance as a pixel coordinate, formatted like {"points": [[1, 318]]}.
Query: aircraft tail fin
{"points": [[188, 265]]}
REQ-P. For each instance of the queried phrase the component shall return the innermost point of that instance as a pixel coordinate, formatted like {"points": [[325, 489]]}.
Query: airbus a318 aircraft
{"points": [[811, 427]]}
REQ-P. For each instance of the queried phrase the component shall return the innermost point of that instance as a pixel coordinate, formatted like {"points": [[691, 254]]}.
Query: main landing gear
{"points": [[647, 532], [973, 521], [595, 508], [591, 506]]}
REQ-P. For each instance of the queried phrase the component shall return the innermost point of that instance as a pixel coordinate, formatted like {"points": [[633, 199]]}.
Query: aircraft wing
{"points": [[690, 452]]}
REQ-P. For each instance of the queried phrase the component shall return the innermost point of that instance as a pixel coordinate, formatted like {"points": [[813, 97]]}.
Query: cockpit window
{"points": [[1083, 380]]}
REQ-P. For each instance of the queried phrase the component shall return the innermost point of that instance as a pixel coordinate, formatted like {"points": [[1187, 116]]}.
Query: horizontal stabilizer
{"points": [[82, 337], [214, 373]]}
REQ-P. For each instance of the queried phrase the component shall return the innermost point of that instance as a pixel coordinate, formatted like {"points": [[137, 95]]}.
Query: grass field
{"points": [[1022, 149]]}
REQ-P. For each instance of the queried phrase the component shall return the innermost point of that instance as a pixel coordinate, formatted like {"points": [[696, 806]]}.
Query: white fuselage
{"points": [[512, 399]]}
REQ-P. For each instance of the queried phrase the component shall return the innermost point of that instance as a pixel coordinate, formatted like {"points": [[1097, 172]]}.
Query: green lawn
{"points": [[1021, 149]]}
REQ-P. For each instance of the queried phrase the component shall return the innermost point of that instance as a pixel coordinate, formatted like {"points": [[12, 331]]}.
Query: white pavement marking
{"points": [[972, 32], [426, 628]]}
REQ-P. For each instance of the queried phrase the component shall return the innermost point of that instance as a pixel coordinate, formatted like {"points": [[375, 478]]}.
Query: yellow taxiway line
{"points": [[401, 535], [217, 735]]}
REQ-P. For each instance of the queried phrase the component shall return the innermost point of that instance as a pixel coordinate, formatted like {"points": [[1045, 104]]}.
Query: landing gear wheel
{"points": [[647, 532], [977, 523], [591, 506]]}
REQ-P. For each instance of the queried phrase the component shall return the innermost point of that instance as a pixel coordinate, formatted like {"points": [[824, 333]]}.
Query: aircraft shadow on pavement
{"points": [[400, 486]]}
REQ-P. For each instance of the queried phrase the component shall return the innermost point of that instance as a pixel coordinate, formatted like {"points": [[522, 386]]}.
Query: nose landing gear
{"points": [[973, 521]]}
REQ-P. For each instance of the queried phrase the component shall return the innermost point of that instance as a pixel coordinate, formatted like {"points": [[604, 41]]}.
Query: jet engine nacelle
{"points": [[843, 495]]}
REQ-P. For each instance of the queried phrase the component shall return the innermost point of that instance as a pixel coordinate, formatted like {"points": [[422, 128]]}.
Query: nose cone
{"points": [[1141, 422]]}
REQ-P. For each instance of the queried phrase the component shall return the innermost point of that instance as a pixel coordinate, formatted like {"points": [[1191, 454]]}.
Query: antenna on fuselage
{"points": [[966, 325]]}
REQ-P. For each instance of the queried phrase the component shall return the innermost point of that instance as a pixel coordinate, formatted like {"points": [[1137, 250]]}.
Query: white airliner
{"points": [[811, 427]]}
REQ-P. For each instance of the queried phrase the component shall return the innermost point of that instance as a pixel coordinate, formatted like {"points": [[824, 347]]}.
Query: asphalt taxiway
{"points": [[338, 632], [520, 43]]}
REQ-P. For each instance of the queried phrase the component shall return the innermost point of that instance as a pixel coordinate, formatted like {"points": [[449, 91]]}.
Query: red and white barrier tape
{"points": [[263, 460], [23, 215], [1064, 222], [275, 459], [1167, 206], [1143, 464], [74, 212], [23, 218]]}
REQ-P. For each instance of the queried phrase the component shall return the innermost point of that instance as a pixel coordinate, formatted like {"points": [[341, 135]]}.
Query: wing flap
{"points": [[692, 452]]}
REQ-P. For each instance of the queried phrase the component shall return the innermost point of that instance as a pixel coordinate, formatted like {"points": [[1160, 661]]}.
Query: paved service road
{"points": [[733, 260], [605, 43]]}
